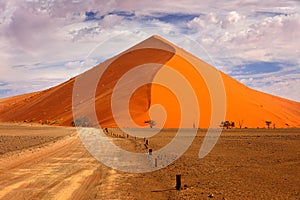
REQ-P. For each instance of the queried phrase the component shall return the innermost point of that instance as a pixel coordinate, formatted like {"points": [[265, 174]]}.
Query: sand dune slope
{"points": [[134, 82]]}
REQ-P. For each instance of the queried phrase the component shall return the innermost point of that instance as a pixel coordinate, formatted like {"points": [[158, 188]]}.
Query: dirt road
{"points": [[59, 170]]}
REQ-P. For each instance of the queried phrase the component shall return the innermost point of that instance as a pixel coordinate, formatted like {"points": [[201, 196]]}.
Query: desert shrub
{"points": [[49, 122], [82, 122], [56, 121], [227, 124], [45, 122]]}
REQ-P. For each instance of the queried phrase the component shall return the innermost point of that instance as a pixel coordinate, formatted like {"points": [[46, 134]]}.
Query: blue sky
{"points": [[43, 43]]}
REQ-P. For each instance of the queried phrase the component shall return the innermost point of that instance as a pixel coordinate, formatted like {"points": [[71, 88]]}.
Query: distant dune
{"points": [[245, 106]]}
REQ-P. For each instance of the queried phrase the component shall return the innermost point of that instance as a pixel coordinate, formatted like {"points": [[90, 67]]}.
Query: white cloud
{"points": [[73, 65], [29, 30], [232, 18], [197, 23], [55, 32], [110, 21]]}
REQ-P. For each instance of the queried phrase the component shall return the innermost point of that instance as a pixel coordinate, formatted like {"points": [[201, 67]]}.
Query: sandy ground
{"points": [[245, 164]]}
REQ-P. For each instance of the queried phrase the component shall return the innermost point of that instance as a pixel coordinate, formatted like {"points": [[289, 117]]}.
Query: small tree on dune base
{"points": [[268, 123]]}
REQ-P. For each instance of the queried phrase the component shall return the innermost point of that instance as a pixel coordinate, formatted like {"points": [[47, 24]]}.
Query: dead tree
{"points": [[150, 122], [241, 123]]}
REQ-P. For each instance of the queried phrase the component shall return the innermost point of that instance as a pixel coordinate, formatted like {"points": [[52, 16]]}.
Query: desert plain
{"points": [[48, 162]]}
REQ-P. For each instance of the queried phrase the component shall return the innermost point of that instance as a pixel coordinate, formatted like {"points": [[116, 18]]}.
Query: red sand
{"points": [[243, 104]]}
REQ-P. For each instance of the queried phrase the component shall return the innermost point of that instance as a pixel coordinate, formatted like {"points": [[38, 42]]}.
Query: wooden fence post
{"points": [[178, 181]]}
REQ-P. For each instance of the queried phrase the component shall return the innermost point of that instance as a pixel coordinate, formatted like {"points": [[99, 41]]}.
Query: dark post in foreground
{"points": [[150, 152], [178, 181]]}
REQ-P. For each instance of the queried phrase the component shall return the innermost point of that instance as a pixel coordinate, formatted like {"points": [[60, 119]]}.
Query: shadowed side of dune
{"points": [[140, 101], [122, 94]]}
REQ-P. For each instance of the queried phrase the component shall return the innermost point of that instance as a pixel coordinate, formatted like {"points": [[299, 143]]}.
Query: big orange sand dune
{"points": [[161, 62]]}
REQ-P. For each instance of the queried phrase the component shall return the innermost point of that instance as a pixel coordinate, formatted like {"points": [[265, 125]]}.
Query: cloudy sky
{"points": [[43, 43]]}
